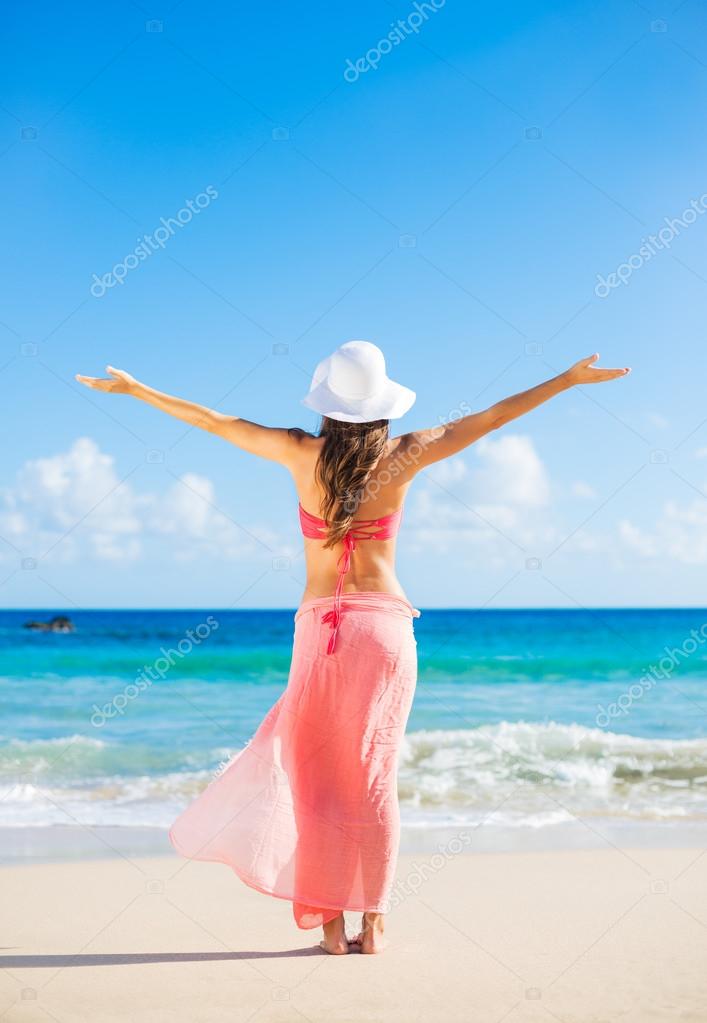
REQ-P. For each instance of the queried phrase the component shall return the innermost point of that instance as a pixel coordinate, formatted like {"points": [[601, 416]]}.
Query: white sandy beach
{"points": [[576, 936]]}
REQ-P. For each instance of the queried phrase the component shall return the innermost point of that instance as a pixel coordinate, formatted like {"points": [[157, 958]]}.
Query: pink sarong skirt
{"points": [[308, 810]]}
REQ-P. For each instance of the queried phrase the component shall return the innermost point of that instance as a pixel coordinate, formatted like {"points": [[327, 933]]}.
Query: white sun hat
{"points": [[352, 386]]}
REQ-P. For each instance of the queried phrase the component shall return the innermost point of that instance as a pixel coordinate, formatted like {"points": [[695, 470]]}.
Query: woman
{"points": [[308, 810]]}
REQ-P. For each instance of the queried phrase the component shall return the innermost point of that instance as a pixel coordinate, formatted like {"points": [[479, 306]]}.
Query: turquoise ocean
{"points": [[522, 719]]}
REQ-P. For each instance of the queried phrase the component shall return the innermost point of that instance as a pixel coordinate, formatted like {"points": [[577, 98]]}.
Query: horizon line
{"points": [[291, 608]]}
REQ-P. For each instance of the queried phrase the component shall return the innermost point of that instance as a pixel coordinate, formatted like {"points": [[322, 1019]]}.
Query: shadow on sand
{"points": [[140, 958]]}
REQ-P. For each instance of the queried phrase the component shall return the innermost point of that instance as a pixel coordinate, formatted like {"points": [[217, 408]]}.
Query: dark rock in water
{"points": [[60, 623]]}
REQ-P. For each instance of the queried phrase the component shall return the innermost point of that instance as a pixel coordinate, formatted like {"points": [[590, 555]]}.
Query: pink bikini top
{"points": [[315, 528]]}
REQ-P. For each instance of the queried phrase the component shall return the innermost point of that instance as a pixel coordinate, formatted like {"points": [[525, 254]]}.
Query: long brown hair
{"points": [[348, 457]]}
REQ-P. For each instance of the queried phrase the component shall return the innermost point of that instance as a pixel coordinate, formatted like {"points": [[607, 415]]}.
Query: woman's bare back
{"points": [[373, 562]]}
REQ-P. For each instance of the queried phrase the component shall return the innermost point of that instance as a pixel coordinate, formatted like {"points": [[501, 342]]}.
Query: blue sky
{"points": [[454, 204]]}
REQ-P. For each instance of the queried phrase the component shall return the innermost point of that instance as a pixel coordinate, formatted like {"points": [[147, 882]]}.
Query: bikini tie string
{"points": [[314, 528], [333, 617]]}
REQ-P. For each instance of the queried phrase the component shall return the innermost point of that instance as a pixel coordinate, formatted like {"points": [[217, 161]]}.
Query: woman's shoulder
{"points": [[306, 448], [305, 439]]}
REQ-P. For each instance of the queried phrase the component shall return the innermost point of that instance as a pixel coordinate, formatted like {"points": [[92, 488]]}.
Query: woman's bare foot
{"points": [[334, 941], [371, 937]]}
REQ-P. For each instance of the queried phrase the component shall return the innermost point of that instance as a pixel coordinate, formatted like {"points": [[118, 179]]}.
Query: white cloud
{"points": [[451, 470], [511, 473], [60, 490], [190, 510], [76, 503], [499, 499], [585, 490], [637, 539], [501, 511], [191, 502], [658, 420], [680, 534]]}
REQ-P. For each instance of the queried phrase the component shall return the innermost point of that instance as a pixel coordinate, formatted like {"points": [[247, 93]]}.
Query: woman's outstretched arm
{"points": [[450, 438], [279, 445]]}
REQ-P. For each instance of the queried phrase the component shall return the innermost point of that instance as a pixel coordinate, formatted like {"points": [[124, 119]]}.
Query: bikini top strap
{"points": [[382, 528], [362, 529]]}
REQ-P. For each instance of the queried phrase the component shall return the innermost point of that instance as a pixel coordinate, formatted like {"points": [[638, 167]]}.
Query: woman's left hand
{"points": [[585, 372]]}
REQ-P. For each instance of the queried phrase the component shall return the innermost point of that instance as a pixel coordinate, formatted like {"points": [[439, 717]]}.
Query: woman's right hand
{"points": [[118, 382]]}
